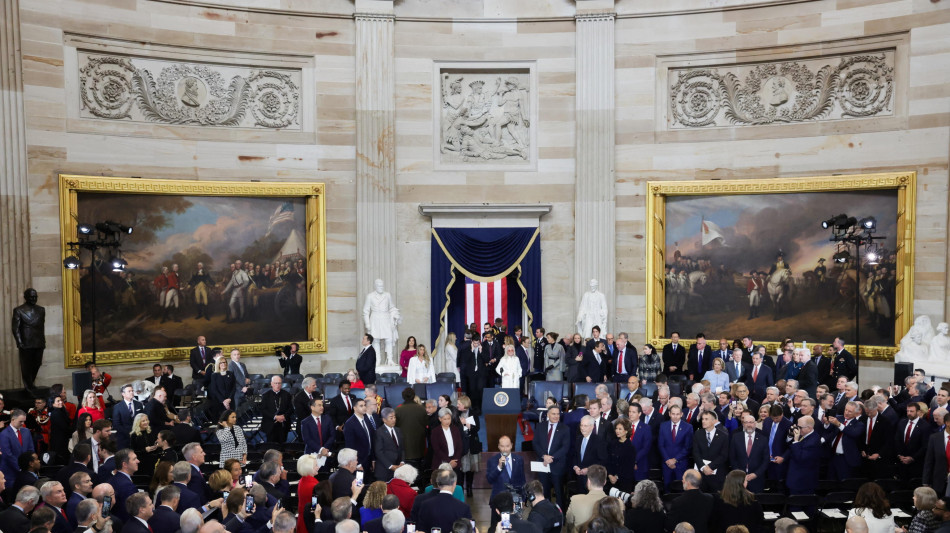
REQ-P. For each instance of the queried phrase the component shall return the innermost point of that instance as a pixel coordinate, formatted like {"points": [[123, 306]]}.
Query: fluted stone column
{"points": [[14, 213], [375, 149], [594, 210]]}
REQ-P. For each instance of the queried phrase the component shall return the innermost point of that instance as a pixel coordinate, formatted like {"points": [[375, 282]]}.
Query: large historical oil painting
{"points": [[761, 263], [233, 267]]}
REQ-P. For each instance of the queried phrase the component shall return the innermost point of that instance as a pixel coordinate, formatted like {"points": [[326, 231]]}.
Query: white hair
{"points": [[394, 521], [307, 465], [772, 389], [851, 385], [348, 526], [191, 521], [346, 456], [407, 473]]}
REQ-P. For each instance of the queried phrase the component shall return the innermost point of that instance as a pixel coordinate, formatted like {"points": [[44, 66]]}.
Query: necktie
{"points": [[367, 430], [674, 432], [320, 430], [910, 426], [709, 437], [870, 429], [689, 416], [748, 447], [508, 467], [203, 360], [597, 425], [349, 408], [633, 430], [834, 447], [699, 360], [620, 363], [371, 421], [583, 447], [131, 412], [62, 512], [19, 436], [629, 397], [150, 530], [737, 370], [395, 440], [772, 437], [550, 436], [831, 370], [755, 374]]}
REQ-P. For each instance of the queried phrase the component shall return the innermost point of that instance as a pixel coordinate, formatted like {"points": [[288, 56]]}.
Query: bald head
{"points": [[856, 524]]}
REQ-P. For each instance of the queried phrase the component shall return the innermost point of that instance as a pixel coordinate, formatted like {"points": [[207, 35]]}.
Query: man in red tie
{"points": [[14, 440], [54, 497], [845, 457], [140, 507], [317, 430], [626, 360]]}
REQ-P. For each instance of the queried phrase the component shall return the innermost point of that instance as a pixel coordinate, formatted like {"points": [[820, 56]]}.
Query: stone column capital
{"points": [[373, 7], [594, 8]]}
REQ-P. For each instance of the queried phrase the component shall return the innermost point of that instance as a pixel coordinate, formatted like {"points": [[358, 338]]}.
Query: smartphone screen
{"points": [[410, 527], [313, 503], [225, 494], [436, 530], [106, 506], [248, 481], [505, 521], [359, 478], [249, 503]]}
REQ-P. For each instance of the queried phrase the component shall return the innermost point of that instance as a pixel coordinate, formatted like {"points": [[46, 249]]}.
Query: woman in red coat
{"points": [[307, 468], [446, 442], [400, 486]]}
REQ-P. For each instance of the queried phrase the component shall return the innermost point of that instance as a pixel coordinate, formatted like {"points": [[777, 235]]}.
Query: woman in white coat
{"points": [[421, 368], [510, 369], [448, 357]]}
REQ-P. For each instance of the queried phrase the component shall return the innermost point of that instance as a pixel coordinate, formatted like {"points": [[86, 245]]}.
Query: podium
{"points": [[501, 408]]}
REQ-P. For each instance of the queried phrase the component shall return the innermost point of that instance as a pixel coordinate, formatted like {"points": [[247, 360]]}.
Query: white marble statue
{"points": [[380, 317], [940, 345], [593, 310], [923, 324], [913, 350]]}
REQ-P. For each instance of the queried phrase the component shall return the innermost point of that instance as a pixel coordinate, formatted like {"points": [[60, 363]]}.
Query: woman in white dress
{"points": [[421, 368], [448, 357], [510, 369]]}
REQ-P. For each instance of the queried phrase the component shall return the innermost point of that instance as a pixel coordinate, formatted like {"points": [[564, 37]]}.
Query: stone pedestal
{"points": [[594, 210], [375, 149], [15, 223]]}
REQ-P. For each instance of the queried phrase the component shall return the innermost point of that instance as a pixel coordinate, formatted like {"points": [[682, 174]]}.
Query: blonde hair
{"points": [[374, 495], [85, 397], [355, 373], [421, 348], [450, 339], [465, 400], [137, 424], [722, 364], [306, 465], [220, 480]]}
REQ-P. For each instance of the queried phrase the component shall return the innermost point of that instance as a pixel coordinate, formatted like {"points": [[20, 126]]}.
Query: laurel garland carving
{"points": [[784, 92], [117, 88]]}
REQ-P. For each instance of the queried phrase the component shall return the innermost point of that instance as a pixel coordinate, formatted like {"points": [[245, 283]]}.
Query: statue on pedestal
{"points": [[29, 323], [921, 323], [593, 310], [380, 318], [940, 345], [913, 350]]}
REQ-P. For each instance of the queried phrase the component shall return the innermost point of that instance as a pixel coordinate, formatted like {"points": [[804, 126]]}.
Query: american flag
{"points": [[284, 213], [486, 301]]}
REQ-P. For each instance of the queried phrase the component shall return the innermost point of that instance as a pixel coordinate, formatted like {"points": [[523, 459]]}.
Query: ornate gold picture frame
{"points": [[722, 212], [212, 223]]}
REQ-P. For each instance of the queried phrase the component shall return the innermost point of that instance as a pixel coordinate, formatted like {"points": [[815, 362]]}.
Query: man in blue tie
{"points": [[505, 469], [589, 449], [776, 428]]}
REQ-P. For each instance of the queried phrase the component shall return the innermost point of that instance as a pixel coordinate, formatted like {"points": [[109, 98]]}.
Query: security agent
{"points": [[544, 513]]}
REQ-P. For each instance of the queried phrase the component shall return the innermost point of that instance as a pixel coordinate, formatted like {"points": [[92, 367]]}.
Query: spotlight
{"points": [[85, 229], [847, 223], [71, 262], [118, 264], [841, 257], [868, 223], [112, 228], [873, 258], [835, 221]]}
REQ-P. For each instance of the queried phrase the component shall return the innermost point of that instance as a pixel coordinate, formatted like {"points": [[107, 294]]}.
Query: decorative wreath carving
{"points": [[783, 92]]}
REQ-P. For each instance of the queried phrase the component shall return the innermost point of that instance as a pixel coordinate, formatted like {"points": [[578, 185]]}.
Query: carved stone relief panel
{"points": [[485, 116], [835, 87], [140, 89]]}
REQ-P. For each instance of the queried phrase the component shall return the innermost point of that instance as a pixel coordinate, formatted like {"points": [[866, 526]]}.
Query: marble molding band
{"points": [[15, 223], [375, 154], [594, 211]]}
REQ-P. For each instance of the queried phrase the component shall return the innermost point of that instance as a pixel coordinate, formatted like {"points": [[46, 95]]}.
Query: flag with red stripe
{"points": [[486, 301]]}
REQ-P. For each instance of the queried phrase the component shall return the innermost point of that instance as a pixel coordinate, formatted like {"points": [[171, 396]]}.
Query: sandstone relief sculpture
{"points": [[485, 117], [829, 88], [179, 93]]}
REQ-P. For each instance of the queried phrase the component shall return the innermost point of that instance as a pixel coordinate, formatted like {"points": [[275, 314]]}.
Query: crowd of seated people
{"points": [[681, 438]]}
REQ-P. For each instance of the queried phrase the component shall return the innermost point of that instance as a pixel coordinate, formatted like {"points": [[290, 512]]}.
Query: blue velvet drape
{"points": [[487, 253]]}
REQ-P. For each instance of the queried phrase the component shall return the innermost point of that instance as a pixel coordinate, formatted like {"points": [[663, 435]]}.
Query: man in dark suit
{"points": [[642, 438], [711, 451], [442, 510], [594, 338], [802, 458], [183, 475], [411, 419], [200, 358], [845, 453], [174, 383], [552, 444], [676, 446], [140, 509], [82, 453], [341, 406], [910, 443], [165, 518], [601, 427], [594, 366], [276, 408], [775, 429], [808, 376], [366, 362], [15, 439], [693, 506], [472, 373], [127, 464], [876, 456], [625, 361], [123, 413], [825, 376], [358, 435], [269, 477], [290, 359], [308, 391], [935, 460], [184, 431], [195, 456], [157, 413], [589, 449], [760, 378], [674, 356], [157, 379], [699, 360], [389, 450], [242, 381], [15, 517], [317, 430], [80, 484], [843, 362], [54, 497], [749, 452], [491, 354], [573, 417], [738, 369], [505, 469]]}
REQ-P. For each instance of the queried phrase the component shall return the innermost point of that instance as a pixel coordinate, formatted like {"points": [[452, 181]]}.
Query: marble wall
{"points": [[318, 42]]}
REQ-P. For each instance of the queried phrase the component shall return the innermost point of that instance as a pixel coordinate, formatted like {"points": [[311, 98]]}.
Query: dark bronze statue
{"points": [[29, 322]]}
